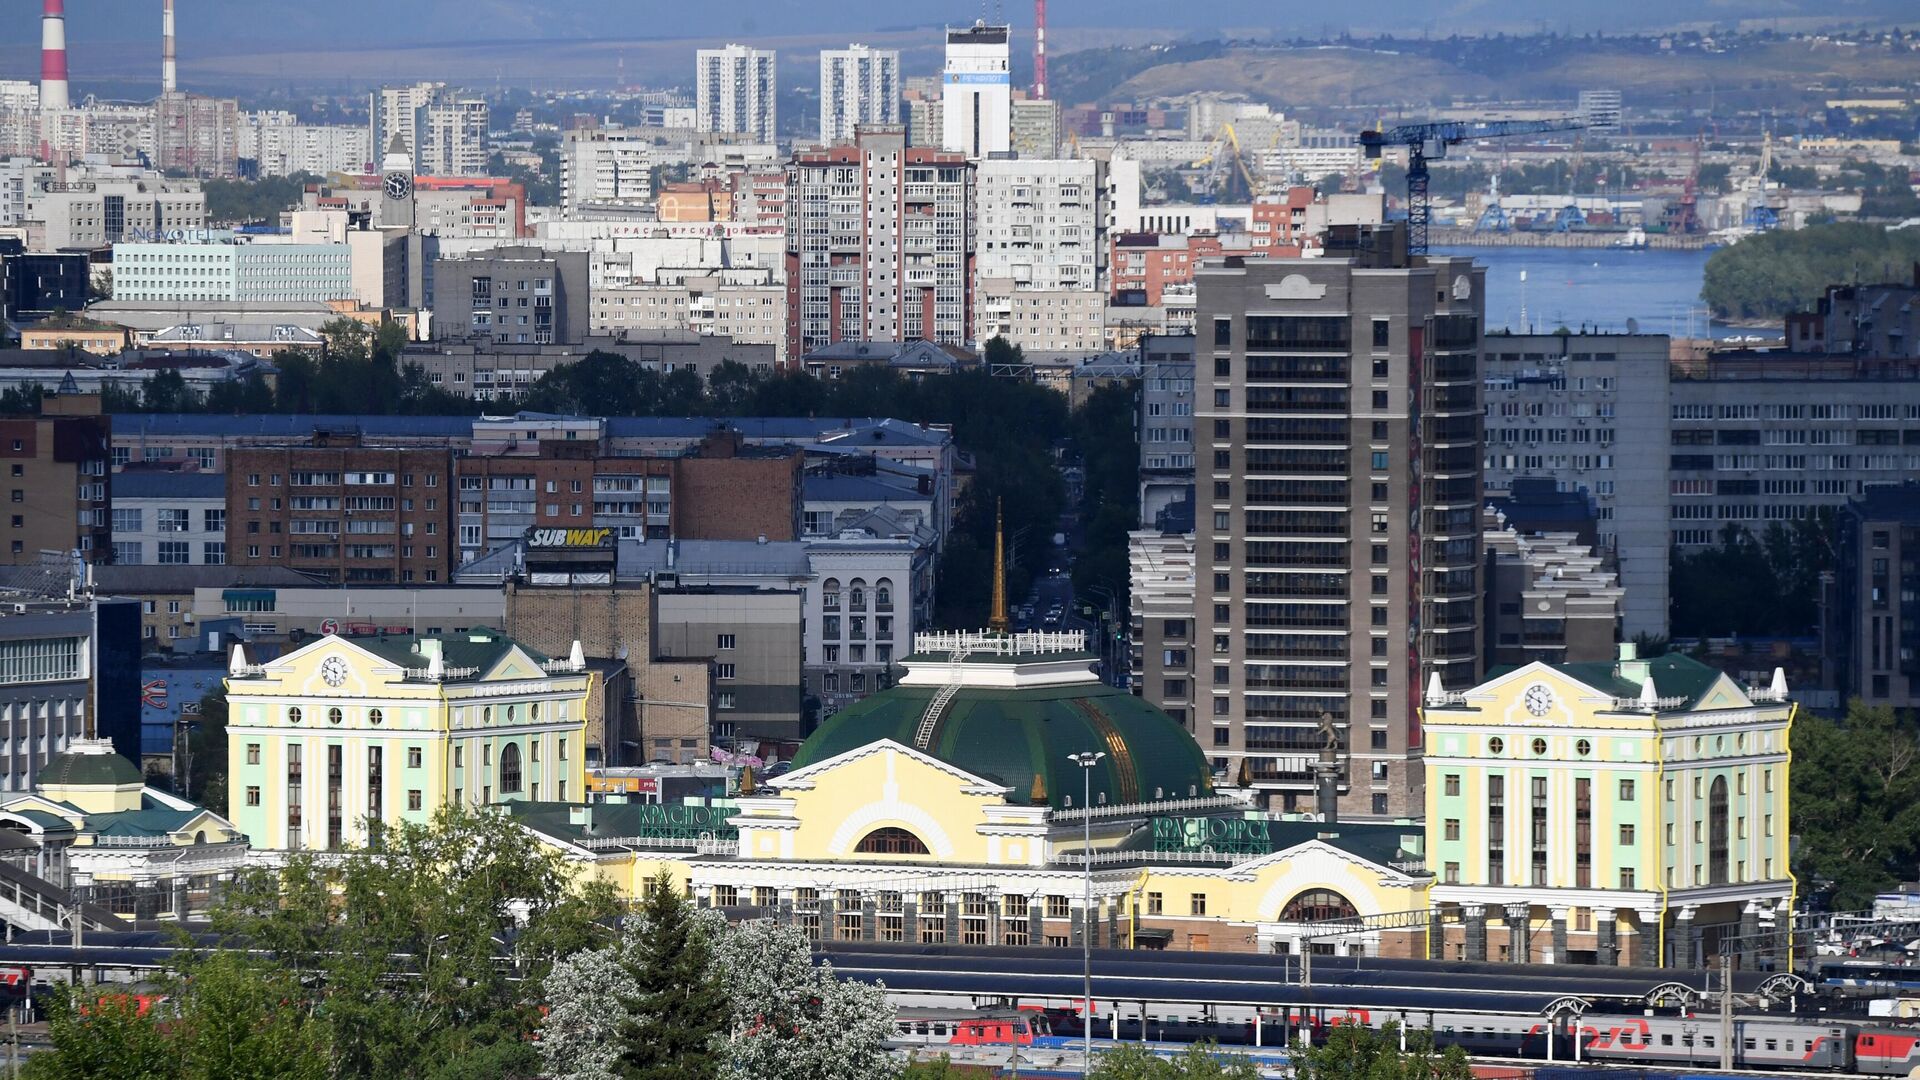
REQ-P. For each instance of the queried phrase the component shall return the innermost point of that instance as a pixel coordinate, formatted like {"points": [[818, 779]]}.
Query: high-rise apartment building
{"points": [[1574, 408], [517, 295], [735, 91], [1337, 546], [600, 166], [196, 135], [976, 99], [445, 133], [858, 85], [1037, 128], [1600, 109], [879, 244], [1036, 280], [1867, 637]]}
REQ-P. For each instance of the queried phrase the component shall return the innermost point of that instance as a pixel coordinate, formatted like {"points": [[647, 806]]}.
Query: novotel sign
{"points": [[569, 539], [1210, 834], [179, 236]]}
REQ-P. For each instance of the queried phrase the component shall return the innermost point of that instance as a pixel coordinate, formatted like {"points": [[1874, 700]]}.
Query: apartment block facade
{"points": [[735, 91], [58, 484], [1337, 546], [859, 85], [1576, 408], [880, 244], [343, 509]]}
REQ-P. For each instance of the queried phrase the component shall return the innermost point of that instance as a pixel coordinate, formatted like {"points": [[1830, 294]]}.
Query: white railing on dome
{"points": [[1147, 809], [975, 642], [1205, 856], [430, 675]]}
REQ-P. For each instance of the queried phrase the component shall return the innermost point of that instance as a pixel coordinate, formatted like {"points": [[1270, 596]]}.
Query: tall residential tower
{"points": [[735, 91], [858, 85], [976, 101]]}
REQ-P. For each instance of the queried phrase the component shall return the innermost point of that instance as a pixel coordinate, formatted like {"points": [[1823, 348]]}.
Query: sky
{"points": [[391, 22]]}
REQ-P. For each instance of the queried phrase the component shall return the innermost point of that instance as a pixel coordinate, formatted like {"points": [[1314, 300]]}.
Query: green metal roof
{"points": [[1674, 675], [1016, 736], [109, 770], [478, 648], [147, 822]]}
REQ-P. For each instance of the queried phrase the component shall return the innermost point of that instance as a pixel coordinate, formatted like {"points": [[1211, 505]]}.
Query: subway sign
{"points": [[1226, 834], [569, 539]]}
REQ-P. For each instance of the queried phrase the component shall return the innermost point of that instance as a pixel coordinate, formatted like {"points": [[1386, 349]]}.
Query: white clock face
{"points": [[1538, 699], [334, 671]]}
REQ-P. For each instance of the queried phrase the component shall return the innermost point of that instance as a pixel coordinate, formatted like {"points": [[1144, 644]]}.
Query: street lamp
{"points": [[1086, 759]]}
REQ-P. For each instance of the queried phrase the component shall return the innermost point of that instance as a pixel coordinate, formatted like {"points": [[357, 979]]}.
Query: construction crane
{"points": [[1426, 142]]}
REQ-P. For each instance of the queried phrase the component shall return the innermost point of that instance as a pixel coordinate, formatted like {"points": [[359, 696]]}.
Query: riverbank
{"points": [[1442, 236]]}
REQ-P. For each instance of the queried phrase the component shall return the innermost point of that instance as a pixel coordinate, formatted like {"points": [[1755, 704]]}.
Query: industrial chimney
{"points": [[167, 82], [53, 55]]}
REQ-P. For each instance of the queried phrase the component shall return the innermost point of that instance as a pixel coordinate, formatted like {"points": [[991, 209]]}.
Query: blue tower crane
{"points": [[1430, 141]]}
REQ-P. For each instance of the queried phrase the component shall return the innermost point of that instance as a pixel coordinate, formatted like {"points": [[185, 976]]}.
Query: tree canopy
{"points": [[1770, 274], [1754, 586], [1856, 803]]}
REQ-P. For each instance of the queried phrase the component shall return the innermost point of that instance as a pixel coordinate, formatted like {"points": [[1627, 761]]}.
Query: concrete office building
{"points": [[976, 99], [1588, 411], [858, 85], [1868, 642], [1601, 110], [1549, 598], [735, 92], [168, 518], [232, 273], [746, 306], [69, 669], [518, 295], [872, 589], [604, 167], [880, 244], [1037, 128], [1338, 543], [59, 490], [445, 133], [1036, 278], [93, 212]]}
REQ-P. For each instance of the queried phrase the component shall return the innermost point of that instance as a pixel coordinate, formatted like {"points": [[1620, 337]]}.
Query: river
{"points": [[1601, 288]]}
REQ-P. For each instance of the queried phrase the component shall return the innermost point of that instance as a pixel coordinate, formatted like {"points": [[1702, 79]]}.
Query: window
{"points": [[1380, 333], [1451, 783], [414, 799], [1626, 791], [253, 753], [723, 671], [724, 642], [253, 795], [1626, 878], [1155, 904], [891, 841], [413, 757], [1452, 829], [1626, 835], [1197, 904], [175, 552], [1057, 907]]}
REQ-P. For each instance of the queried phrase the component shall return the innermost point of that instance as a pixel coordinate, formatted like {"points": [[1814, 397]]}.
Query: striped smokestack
{"points": [[167, 82], [53, 55]]}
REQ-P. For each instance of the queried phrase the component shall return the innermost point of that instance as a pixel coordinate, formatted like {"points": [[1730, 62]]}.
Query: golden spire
{"points": [[997, 622]]}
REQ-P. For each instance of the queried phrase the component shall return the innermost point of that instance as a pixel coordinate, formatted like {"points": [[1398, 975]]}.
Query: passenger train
{"points": [[1660, 1041]]}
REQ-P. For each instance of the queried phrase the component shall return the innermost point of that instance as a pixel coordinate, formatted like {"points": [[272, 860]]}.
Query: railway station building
{"points": [[1632, 812], [949, 809]]}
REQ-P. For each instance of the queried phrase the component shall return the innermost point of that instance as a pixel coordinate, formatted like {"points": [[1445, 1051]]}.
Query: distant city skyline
{"points": [[384, 23]]}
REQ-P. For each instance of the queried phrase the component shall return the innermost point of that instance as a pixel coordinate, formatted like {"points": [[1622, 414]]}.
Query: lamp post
{"points": [[1086, 759]]}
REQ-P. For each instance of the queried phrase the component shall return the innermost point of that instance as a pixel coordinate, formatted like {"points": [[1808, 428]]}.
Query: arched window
{"points": [[1318, 905], [510, 768], [883, 595], [891, 841], [857, 595], [830, 594], [1717, 832]]}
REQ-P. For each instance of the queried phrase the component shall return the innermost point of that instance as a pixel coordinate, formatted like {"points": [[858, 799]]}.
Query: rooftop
{"points": [[163, 484]]}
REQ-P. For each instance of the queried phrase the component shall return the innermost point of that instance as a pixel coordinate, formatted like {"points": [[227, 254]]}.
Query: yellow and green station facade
{"points": [[947, 808]]}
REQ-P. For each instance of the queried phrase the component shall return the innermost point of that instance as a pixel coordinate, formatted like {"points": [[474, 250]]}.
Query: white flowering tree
{"points": [[588, 996], [791, 1020]]}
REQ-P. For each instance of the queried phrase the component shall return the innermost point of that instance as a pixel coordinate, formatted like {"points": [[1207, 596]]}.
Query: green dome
{"points": [[89, 767], [1014, 736]]}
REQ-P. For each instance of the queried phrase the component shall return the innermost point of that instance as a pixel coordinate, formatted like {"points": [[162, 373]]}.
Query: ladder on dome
{"points": [[930, 723]]}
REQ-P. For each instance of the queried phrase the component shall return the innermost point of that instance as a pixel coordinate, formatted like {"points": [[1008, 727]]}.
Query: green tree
{"points": [[792, 1019], [1754, 586], [1772, 273], [678, 1009], [1200, 1062], [1357, 1052], [233, 1022], [206, 779], [168, 392], [1105, 434], [1856, 802], [102, 1034], [422, 943]]}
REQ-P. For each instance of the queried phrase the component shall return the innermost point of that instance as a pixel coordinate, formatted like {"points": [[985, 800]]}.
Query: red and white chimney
{"points": [[167, 82], [53, 55]]}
